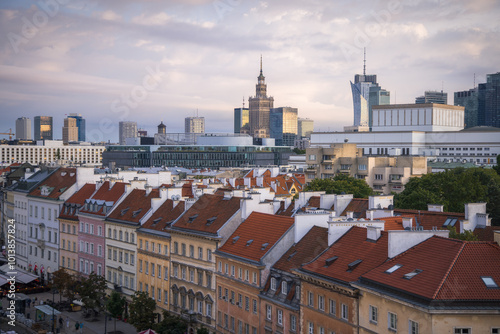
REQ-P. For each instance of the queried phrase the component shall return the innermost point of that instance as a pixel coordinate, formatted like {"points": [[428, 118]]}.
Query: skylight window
{"points": [[412, 274], [210, 220], [124, 211], [192, 218], [489, 282], [136, 212], [157, 220], [264, 245], [393, 268], [330, 260], [236, 239], [249, 242], [353, 265], [450, 222]]}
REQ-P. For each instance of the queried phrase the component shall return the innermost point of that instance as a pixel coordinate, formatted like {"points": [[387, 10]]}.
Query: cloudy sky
{"points": [[156, 60]]}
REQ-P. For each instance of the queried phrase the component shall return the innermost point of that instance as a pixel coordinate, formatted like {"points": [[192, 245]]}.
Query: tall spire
{"points": [[364, 62], [260, 64]]}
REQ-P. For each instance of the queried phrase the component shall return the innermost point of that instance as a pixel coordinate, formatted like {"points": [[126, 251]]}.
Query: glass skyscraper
{"points": [[80, 124], [43, 128], [283, 125]]}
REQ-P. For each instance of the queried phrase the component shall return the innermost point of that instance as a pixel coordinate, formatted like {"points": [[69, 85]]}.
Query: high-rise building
{"points": [[23, 128], [305, 127], [367, 93], [241, 120], [127, 130], [43, 128], [492, 100], [259, 108], [162, 128], [470, 101], [283, 125], [432, 96], [194, 125], [80, 124], [69, 130]]}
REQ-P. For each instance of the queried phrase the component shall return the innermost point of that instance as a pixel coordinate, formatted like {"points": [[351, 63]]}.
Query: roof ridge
{"points": [[440, 286]]}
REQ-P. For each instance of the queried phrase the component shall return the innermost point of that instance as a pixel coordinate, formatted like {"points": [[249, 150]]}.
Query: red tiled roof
{"points": [[206, 208], [282, 211], [314, 201], [262, 229], [351, 247], [58, 182], [134, 206], [187, 190], [395, 223], [450, 270], [78, 200], [487, 233], [104, 193], [430, 219], [358, 206], [166, 213], [310, 246]]}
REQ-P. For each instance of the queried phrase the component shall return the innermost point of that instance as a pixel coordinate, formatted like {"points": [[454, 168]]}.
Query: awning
{"points": [[46, 309], [3, 280], [22, 276]]}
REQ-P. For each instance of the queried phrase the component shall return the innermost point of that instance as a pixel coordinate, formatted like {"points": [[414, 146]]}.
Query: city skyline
{"points": [[86, 57]]}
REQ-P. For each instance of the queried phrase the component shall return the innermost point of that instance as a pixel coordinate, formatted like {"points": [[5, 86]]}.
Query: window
{"points": [[310, 299], [209, 255], [254, 306], [165, 296], [373, 314], [200, 253], [152, 269], [393, 268], [183, 249], [321, 303], [176, 247], [345, 312], [379, 177], [273, 283], [392, 321], [280, 317], [269, 314], [146, 267], [462, 331], [159, 271], [361, 167], [183, 273], [311, 328], [489, 282], [140, 266], [232, 271], [209, 280], [132, 259], [220, 266], [312, 156], [191, 251], [200, 278], [226, 268], [166, 273], [293, 323], [412, 327], [495, 331], [255, 278], [247, 303], [240, 273]]}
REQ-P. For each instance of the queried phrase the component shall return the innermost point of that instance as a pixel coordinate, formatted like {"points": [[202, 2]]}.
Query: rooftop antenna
{"points": [[261, 64], [364, 62], [442, 86], [243, 102], [474, 80]]}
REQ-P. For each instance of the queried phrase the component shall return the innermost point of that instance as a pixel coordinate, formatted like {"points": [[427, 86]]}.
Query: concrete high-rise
{"points": [[283, 125], [43, 128], [305, 127], [470, 101], [69, 130], [432, 96], [127, 130], [367, 93], [80, 124], [241, 120], [23, 128], [491, 100], [259, 108], [194, 125]]}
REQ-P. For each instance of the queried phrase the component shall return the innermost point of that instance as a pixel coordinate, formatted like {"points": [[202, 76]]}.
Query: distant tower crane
{"points": [[10, 134]]}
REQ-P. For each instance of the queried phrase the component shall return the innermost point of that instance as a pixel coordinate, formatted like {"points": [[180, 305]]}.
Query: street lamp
{"points": [[53, 293]]}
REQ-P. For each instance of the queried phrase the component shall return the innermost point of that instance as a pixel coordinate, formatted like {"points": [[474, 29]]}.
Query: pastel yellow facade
{"points": [[68, 249]]}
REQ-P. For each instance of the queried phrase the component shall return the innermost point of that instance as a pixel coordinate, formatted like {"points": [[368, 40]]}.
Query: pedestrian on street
{"points": [[67, 324], [77, 325], [81, 327]]}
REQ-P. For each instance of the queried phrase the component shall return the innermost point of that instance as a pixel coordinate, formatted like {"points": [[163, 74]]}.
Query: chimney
{"points": [[373, 233], [401, 241], [188, 203], [148, 189], [228, 194], [435, 207], [350, 214], [369, 214], [407, 222]]}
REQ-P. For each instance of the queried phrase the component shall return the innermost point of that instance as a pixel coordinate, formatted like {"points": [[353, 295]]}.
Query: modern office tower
{"points": [[283, 125], [491, 100], [23, 128], [241, 120], [259, 108], [470, 101], [127, 130], [43, 128], [69, 130], [194, 125], [305, 127], [367, 93], [432, 96], [162, 128], [80, 124]]}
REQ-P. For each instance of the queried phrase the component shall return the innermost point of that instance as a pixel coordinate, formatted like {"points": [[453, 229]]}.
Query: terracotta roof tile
{"points": [[57, 182], [187, 190], [348, 250], [310, 246], [358, 206], [487, 233], [314, 201], [288, 212], [199, 216], [257, 235], [76, 201], [164, 215], [134, 206], [395, 223], [430, 219], [104, 193], [450, 269]]}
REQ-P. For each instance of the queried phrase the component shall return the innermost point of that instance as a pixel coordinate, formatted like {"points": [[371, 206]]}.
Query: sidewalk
{"points": [[89, 325]]}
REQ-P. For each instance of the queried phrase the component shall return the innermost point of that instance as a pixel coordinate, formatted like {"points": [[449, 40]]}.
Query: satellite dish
{"points": [[173, 197]]}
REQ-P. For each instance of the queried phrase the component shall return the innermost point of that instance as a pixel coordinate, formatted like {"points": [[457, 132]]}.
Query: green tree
{"points": [[341, 184], [497, 167], [142, 311], [299, 151], [466, 235], [171, 325], [453, 189], [115, 305], [65, 283], [202, 330], [92, 290]]}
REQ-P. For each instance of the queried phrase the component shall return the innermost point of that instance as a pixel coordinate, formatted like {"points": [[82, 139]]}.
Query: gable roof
{"points": [[486, 233], [134, 206], [56, 184], [208, 214], [358, 207], [395, 223], [450, 269], [76, 201], [288, 212], [257, 235], [310, 246], [350, 256], [430, 219], [164, 215], [106, 194]]}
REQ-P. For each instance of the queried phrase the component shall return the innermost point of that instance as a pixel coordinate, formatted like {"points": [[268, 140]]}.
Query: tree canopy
{"points": [[171, 324], [453, 189], [142, 309], [341, 183], [115, 305], [93, 290]]}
